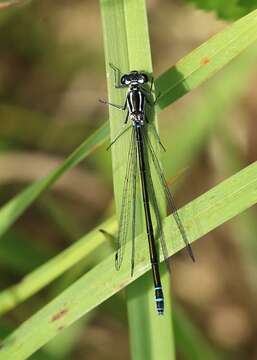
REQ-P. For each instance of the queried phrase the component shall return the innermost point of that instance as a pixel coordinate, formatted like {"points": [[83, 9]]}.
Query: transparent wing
{"points": [[128, 206], [168, 196]]}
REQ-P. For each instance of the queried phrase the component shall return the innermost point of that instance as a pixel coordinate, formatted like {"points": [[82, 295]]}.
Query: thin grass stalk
{"points": [[127, 47]]}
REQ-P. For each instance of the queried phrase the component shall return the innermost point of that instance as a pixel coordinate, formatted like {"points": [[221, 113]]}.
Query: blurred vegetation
{"points": [[231, 10], [51, 75]]}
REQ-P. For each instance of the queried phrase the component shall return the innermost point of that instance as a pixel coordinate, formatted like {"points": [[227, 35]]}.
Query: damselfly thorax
{"points": [[136, 105]]}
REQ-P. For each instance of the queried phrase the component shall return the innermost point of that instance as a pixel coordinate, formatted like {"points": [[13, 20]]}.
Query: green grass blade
{"points": [[206, 60], [127, 46], [46, 273], [190, 342], [194, 128], [200, 216], [15, 207], [146, 341], [19, 254]]}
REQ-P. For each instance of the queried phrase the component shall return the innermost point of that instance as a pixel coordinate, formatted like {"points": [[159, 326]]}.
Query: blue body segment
{"points": [[159, 300]]}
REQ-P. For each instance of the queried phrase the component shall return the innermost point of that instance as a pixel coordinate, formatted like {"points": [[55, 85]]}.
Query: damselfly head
{"points": [[134, 78]]}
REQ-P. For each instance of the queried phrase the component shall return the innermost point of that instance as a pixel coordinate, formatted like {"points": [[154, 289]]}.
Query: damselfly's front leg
{"points": [[150, 92], [117, 77], [157, 97]]}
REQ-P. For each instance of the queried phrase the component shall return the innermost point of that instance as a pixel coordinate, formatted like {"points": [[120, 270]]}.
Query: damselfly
{"points": [[142, 157]]}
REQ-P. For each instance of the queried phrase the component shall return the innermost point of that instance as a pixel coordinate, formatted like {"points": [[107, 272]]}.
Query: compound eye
{"points": [[123, 80], [145, 78], [141, 80]]}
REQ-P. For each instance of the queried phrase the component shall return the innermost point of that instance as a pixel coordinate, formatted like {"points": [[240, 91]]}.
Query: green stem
{"points": [[127, 47]]}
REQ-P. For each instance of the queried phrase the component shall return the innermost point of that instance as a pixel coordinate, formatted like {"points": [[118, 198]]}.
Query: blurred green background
{"points": [[51, 76]]}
